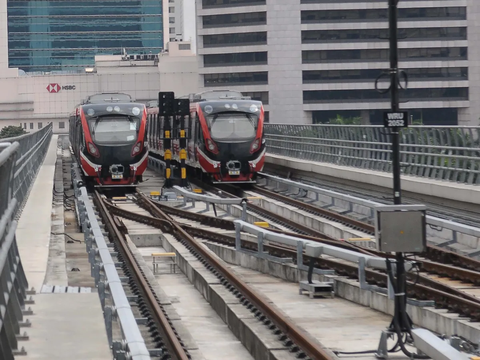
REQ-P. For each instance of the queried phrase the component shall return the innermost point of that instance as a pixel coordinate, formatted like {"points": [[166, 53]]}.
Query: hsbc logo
{"points": [[55, 88]]}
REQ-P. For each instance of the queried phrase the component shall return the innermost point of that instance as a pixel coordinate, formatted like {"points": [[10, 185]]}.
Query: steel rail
{"points": [[316, 210], [443, 269], [432, 253], [173, 344], [423, 288], [298, 336]]}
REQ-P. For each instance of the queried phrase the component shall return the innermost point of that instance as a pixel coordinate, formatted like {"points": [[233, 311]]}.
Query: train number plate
{"points": [[117, 176], [234, 172]]}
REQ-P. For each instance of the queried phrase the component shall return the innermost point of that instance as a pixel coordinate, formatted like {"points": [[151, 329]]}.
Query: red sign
{"points": [[53, 88]]}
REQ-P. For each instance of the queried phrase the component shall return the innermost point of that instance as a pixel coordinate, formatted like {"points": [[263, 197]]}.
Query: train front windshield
{"points": [[232, 126], [111, 130]]}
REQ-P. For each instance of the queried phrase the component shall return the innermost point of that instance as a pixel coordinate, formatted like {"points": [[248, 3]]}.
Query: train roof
{"points": [[123, 108], [108, 97], [231, 105]]}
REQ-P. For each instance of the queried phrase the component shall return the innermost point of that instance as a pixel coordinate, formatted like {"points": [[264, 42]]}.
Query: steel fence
{"points": [[31, 151], [115, 303], [20, 158], [442, 153]]}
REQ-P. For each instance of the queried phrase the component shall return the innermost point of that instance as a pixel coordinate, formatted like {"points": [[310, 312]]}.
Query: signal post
{"points": [[166, 110]]}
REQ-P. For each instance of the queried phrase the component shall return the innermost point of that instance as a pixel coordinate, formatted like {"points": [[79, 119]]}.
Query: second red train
{"points": [[225, 138]]}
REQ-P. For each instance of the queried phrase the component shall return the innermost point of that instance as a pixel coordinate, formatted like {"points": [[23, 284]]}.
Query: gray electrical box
{"points": [[401, 228]]}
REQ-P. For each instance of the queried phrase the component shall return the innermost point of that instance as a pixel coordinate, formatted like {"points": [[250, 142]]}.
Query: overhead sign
{"points": [[55, 88], [395, 119]]}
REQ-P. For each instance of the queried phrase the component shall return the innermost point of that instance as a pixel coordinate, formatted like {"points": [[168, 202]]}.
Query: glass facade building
{"points": [[66, 35]]}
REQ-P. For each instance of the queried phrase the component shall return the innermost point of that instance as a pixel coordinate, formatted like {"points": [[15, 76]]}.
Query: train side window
{"points": [[189, 129]]}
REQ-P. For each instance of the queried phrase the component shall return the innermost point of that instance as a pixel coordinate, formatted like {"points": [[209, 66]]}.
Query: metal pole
{"points": [[392, 15], [394, 88]]}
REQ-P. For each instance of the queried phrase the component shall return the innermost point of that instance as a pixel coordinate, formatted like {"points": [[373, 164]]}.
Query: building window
{"points": [[172, 39], [172, 30], [31, 126], [362, 35], [39, 125], [61, 125], [436, 13], [366, 55], [171, 20], [25, 125], [420, 74], [258, 95], [238, 59], [236, 78], [171, 9], [184, 47], [431, 94], [266, 115], [244, 19], [252, 38], [224, 3]]}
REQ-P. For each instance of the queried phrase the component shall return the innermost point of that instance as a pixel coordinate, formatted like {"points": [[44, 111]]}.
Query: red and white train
{"points": [[107, 134], [225, 139]]}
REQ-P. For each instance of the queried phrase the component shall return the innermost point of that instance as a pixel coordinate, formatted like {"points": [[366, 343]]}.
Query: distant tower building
{"points": [[66, 34]]}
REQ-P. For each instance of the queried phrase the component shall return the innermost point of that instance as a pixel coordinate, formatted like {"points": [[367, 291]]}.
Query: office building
{"points": [[311, 60], [66, 35], [179, 21]]}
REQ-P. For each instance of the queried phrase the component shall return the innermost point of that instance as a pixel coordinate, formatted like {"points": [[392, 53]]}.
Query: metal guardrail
{"points": [[20, 158], [114, 301], [442, 153], [450, 231], [31, 151]]}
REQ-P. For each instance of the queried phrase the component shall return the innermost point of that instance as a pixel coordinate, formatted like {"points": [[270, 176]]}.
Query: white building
{"points": [[313, 59], [32, 101], [179, 21]]}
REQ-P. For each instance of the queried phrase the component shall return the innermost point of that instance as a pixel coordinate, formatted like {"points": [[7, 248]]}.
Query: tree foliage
{"points": [[340, 120], [11, 131]]}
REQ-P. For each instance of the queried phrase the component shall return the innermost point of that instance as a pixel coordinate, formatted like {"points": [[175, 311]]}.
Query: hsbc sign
{"points": [[55, 88]]}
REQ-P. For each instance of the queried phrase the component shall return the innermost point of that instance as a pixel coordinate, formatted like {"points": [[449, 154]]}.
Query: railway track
{"points": [[160, 325], [468, 215], [439, 269], [422, 288], [300, 342]]}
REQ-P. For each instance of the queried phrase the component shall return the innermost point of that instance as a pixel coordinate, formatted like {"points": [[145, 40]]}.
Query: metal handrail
{"points": [[20, 158], [455, 228], [110, 286], [440, 152]]}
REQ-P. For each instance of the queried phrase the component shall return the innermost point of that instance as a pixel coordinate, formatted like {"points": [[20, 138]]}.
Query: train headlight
{"points": [[255, 145], [136, 111], [254, 108], [235, 106], [208, 109], [90, 112], [137, 148], [92, 149], [109, 108], [211, 146], [117, 108]]}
